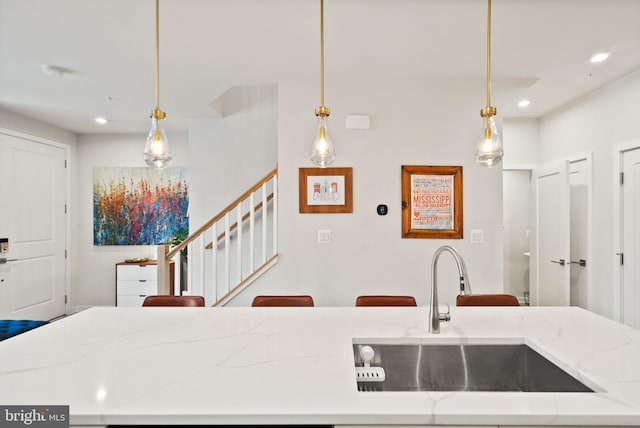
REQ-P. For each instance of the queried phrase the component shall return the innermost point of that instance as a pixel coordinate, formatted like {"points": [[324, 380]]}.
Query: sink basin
{"points": [[465, 367]]}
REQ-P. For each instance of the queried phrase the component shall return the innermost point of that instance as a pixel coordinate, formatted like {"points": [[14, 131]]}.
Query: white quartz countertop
{"points": [[295, 366]]}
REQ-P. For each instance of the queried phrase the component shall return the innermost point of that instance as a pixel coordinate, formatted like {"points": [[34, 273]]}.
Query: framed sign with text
{"points": [[432, 202]]}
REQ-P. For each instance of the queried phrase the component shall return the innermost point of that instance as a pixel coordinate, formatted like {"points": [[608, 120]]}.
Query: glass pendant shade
{"points": [[322, 153], [489, 149], [156, 151]]}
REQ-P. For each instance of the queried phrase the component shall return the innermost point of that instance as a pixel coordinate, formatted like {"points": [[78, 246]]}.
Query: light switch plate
{"points": [[324, 236], [477, 236]]}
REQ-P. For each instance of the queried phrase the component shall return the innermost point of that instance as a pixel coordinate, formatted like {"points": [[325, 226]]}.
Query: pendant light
{"points": [[156, 151], [322, 153], [489, 149]]}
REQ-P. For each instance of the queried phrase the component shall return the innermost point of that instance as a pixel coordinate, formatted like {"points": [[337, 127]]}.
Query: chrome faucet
{"points": [[434, 314]]}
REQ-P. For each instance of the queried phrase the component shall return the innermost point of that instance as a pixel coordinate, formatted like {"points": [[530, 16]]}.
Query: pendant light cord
{"points": [[489, 53], [157, 54], [322, 52]]}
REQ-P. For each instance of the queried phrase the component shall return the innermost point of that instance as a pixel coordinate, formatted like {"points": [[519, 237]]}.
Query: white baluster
{"points": [[201, 250], [214, 259], [264, 223], [239, 244], [252, 223], [227, 259], [274, 204]]}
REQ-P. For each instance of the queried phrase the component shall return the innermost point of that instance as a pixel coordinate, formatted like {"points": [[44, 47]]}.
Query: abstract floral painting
{"points": [[139, 206]]}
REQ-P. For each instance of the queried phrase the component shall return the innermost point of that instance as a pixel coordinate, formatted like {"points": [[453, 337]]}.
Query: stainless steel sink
{"points": [[475, 367]]}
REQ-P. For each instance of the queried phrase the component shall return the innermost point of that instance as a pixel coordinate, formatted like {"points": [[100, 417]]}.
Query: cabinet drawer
{"points": [[135, 272], [130, 300], [134, 288]]}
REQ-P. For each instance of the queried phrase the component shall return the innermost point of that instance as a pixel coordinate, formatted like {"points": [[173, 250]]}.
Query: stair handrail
{"points": [[234, 226], [220, 215]]}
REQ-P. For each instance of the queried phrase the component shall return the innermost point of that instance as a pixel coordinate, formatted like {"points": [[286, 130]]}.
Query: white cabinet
{"points": [[135, 281]]}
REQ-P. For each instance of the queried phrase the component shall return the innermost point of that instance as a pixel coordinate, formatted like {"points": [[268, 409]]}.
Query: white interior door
{"points": [[32, 217], [580, 188], [630, 238], [551, 243]]}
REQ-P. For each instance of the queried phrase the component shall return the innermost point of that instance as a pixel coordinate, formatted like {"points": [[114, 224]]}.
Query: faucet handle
{"points": [[445, 316]]}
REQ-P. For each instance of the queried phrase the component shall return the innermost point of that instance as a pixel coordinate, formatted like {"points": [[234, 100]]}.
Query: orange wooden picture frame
{"points": [[325, 190], [432, 202]]}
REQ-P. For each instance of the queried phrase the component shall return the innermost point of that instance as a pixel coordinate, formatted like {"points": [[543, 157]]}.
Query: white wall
{"points": [[214, 181], [521, 141], [414, 122], [230, 154], [35, 128], [596, 123], [94, 281]]}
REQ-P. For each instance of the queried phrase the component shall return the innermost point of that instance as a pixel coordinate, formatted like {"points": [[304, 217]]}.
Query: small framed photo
{"points": [[432, 202], [325, 190]]}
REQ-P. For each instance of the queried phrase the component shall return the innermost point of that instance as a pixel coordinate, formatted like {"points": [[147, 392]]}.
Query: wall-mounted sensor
{"points": [[382, 209], [357, 121]]}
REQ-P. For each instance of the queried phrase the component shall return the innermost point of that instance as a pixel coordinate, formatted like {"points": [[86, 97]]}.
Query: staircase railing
{"points": [[232, 249]]}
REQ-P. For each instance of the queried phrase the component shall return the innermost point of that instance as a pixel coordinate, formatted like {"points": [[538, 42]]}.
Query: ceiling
{"points": [[107, 50]]}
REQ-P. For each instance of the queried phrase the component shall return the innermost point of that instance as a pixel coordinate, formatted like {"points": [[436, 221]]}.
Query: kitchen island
{"points": [[295, 366]]}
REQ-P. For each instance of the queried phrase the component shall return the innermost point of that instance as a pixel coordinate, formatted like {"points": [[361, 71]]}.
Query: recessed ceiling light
{"points": [[524, 103], [599, 57], [101, 120]]}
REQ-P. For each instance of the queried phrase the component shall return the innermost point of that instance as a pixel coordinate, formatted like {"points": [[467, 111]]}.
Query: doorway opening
{"points": [[516, 217], [526, 263]]}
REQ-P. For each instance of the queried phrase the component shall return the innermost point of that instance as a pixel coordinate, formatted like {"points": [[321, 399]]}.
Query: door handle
{"points": [[582, 263], [561, 262]]}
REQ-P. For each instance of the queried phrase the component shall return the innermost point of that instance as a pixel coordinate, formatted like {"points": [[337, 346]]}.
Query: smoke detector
{"points": [[51, 70]]}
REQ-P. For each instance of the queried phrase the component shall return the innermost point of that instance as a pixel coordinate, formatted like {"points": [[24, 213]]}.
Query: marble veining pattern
{"points": [[295, 365]]}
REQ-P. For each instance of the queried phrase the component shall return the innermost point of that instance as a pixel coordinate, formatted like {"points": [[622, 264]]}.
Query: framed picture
{"points": [[432, 202], [325, 190], [139, 205]]}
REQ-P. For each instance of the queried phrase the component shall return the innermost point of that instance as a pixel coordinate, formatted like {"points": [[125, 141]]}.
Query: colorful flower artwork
{"points": [[139, 206]]}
